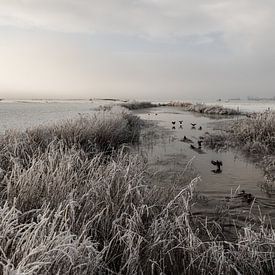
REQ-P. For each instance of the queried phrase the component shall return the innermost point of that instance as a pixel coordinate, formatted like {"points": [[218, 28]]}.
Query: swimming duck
{"points": [[218, 164], [199, 143], [246, 197]]}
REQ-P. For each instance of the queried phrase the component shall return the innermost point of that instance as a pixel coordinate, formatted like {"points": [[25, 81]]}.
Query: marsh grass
{"points": [[198, 108], [205, 109], [101, 132], [255, 135], [67, 207]]}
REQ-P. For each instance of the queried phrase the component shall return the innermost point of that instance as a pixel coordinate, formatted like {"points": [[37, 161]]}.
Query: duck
{"points": [[218, 164], [180, 121], [199, 143], [193, 124], [200, 128], [246, 197], [173, 122]]}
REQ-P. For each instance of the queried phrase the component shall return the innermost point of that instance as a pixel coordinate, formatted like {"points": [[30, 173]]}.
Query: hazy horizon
{"points": [[137, 49]]}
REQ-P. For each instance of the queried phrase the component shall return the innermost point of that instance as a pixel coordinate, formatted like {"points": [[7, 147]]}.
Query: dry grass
{"points": [[255, 135], [205, 109], [66, 210], [102, 132]]}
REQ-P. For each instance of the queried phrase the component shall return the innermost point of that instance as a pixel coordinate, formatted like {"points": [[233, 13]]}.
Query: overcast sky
{"points": [[151, 49]]}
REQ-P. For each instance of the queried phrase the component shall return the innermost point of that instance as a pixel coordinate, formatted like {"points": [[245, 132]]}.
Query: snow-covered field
{"points": [[247, 106], [22, 114]]}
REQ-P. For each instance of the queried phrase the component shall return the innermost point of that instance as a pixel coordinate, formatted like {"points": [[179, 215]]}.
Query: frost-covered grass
{"points": [[255, 134], [102, 132], [205, 109], [68, 207]]}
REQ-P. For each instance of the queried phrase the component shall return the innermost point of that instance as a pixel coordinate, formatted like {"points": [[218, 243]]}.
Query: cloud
{"points": [[163, 17], [130, 47], [245, 23]]}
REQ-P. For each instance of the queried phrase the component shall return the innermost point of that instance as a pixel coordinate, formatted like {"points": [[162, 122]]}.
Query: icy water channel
{"points": [[170, 155]]}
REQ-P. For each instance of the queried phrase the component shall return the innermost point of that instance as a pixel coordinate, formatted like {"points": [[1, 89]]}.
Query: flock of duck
{"points": [[245, 197], [187, 140], [181, 122]]}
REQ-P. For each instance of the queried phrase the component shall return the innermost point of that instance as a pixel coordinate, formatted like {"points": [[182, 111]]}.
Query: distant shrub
{"points": [[136, 105]]}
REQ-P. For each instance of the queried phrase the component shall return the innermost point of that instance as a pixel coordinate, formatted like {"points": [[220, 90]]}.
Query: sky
{"points": [[137, 49]]}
